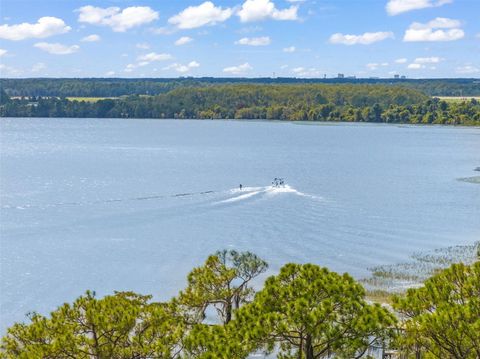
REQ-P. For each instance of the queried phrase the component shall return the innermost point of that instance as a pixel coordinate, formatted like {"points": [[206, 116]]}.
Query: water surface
{"points": [[135, 204]]}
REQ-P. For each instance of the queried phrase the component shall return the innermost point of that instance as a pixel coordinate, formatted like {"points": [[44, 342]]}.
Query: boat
{"points": [[278, 183]]}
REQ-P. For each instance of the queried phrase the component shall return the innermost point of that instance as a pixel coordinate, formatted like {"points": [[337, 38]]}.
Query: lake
{"points": [[110, 204]]}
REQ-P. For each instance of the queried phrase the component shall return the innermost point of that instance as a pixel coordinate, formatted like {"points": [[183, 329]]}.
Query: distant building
{"points": [[340, 76], [351, 77], [403, 77], [396, 77]]}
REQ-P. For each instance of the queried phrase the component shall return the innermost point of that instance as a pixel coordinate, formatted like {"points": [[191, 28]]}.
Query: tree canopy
{"points": [[304, 312], [442, 318]]}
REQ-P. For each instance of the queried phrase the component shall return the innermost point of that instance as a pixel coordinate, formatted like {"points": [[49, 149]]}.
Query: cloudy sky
{"points": [[301, 38]]}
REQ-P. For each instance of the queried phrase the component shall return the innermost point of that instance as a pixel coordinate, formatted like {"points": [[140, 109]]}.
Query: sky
{"points": [[240, 38]]}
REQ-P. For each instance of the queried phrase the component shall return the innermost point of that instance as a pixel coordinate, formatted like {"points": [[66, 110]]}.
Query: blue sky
{"points": [[251, 38]]}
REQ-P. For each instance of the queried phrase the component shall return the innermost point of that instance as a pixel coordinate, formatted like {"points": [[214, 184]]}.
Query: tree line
{"points": [[305, 312], [114, 87], [307, 102]]}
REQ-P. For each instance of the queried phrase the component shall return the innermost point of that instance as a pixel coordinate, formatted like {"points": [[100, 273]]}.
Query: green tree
{"points": [[309, 312], [442, 318], [123, 326], [222, 282]]}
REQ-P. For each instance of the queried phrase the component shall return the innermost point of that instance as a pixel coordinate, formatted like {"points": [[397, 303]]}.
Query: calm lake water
{"points": [[135, 204]]}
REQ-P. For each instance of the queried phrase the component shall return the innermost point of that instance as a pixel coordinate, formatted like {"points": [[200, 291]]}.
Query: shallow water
{"points": [[135, 204]]}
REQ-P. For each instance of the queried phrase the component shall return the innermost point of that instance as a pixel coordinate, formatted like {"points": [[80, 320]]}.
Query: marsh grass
{"points": [[397, 278]]}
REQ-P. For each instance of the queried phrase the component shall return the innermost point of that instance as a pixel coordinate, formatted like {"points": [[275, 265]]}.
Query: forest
{"points": [[114, 87], [293, 102], [304, 311]]}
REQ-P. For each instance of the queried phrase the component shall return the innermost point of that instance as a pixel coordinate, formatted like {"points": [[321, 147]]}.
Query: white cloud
{"points": [[254, 41], [44, 27], [182, 68], [153, 56], [39, 66], [147, 59], [164, 30], [142, 46], [477, 35], [183, 40], [439, 29], [119, 20], [256, 10], [364, 39], [306, 72], [3, 52], [130, 67], [289, 49], [395, 7], [110, 73], [9, 71], [373, 65], [204, 14], [467, 69], [402, 60], [56, 48], [91, 38], [238, 70], [415, 66], [427, 60]]}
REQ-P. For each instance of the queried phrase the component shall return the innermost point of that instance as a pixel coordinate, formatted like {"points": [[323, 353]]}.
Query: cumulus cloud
{"points": [[364, 39], [467, 70], [44, 27], [3, 52], [373, 65], [422, 62], [256, 10], [254, 41], [119, 20], [204, 14], [183, 68], [402, 60], [415, 66], [142, 46], [238, 70], [153, 56], [110, 73], [395, 7], [306, 72], [56, 48], [91, 38], [289, 49], [10, 71], [439, 29], [39, 66], [183, 40], [147, 59], [428, 60]]}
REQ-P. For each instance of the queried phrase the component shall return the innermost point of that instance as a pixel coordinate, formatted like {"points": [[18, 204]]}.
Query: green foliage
{"points": [[304, 312], [442, 318], [222, 282], [309, 312], [123, 326], [306, 102], [113, 87]]}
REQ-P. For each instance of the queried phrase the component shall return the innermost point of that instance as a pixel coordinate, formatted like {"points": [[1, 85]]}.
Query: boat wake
{"points": [[256, 192], [234, 195]]}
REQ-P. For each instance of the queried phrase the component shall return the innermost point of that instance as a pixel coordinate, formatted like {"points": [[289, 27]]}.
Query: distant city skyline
{"points": [[243, 38]]}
